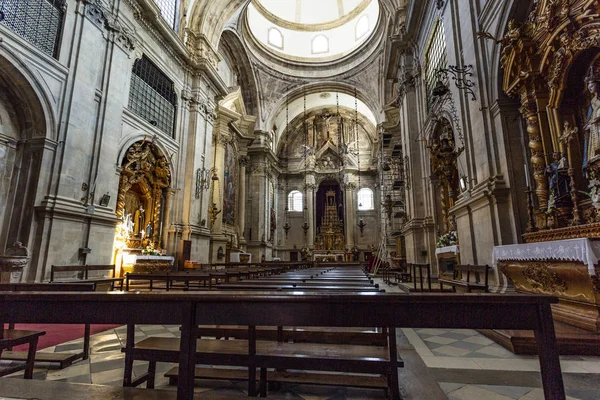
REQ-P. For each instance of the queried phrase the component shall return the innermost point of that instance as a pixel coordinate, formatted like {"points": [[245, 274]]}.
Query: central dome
{"points": [[312, 30], [313, 15]]}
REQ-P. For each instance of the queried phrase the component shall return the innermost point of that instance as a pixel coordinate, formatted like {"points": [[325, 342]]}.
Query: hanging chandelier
{"points": [[286, 225]]}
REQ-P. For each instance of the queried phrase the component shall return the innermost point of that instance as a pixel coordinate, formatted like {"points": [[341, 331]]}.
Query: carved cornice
{"points": [[98, 13], [591, 231]]}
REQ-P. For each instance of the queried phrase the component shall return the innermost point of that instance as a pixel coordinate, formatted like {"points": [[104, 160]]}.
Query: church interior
{"points": [[402, 195]]}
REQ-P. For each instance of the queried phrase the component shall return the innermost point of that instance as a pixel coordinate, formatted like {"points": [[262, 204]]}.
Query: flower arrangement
{"points": [[151, 251], [447, 239], [594, 193]]}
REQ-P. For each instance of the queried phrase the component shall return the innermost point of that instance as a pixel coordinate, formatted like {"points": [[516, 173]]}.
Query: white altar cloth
{"points": [[585, 250], [447, 249]]}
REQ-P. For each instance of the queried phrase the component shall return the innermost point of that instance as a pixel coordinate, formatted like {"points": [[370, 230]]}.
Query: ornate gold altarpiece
{"points": [[552, 63], [145, 176]]}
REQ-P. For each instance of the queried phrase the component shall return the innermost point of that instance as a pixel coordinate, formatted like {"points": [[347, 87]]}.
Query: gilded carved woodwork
{"points": [[540, 277], [545, 61], [145, 175], [570, 281], [443, 155]]}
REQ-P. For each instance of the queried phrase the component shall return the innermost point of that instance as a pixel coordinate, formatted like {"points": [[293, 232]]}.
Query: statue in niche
{"points": [[592, 127], [139, 219], [559, 181]]}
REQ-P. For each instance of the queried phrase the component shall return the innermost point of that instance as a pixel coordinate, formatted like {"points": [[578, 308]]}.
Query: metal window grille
{"points": [[152, 95], [37, 21], [169, 10], [435, 58]]}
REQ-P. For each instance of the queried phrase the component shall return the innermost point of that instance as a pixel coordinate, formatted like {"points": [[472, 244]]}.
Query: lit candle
{"points": [[527, 181]]}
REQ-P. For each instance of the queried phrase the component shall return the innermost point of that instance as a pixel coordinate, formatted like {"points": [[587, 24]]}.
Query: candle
{"points": [[527, 181]]}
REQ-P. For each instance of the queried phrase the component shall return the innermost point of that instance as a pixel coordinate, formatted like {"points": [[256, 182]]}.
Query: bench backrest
{"points": [[47, 287], [422, 269], [468, 272], [103, 269], [67, 272], [81, 271]]}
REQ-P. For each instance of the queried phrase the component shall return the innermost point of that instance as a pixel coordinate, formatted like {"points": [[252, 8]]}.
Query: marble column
{"points": [[218, 188]]}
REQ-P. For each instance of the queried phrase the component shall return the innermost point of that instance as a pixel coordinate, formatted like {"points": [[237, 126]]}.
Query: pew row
{"points": [[415, 310]]}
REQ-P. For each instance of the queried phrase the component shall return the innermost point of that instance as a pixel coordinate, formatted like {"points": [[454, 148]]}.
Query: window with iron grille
{"points": [[152, 95], [169, 10], [37, 21], [435, 58]]}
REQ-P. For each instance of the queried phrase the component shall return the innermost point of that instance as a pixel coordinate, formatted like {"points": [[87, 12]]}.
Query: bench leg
{"points": [[151, 375], [30, 358], [393, 383], [86, 342], [263, 382], [129, 343]]}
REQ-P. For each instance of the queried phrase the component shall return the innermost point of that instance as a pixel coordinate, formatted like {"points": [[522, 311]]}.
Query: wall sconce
{"points": [[220, 253], [286, 228], [460, 76], [105, 199], [361, 225], [213, 211]]}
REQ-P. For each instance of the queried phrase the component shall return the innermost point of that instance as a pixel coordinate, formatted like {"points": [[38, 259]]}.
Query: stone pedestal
{"points": [[13, 262]]}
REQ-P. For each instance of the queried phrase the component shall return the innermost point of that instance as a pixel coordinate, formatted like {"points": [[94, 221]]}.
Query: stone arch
{"points": [[231, 43], [27, 134]]}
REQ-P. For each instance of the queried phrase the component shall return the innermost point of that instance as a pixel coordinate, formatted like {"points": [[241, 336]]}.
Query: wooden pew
{"points": [[414, 310], [468, 277], [63, 359], [82, 273], [15, 337]]}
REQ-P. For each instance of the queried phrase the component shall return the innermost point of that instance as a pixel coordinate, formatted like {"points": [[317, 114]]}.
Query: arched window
{"points": [[275, 38], [320, 44], [295, 201], [365, 199], [362, 27]]}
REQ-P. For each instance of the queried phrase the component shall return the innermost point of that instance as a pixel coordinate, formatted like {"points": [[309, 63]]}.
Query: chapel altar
{"points": [[560, 102]]}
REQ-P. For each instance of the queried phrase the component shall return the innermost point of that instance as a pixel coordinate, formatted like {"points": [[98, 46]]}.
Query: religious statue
{"points": [[355, 253], [148, 230], [139, 219], [592, 127], [559, 181]]}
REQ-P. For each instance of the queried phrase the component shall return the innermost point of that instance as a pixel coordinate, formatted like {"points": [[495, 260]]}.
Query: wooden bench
{"points": [[468, 277], [82, 273], [380, 361], [414, 310], [63, 359], [15, 337], [422, 269]]}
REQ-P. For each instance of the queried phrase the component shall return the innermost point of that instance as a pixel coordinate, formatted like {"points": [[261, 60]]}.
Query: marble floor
{"points": [[465, 365]]}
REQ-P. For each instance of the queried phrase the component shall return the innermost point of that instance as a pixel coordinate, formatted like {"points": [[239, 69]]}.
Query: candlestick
{"points": [[527, 181]]}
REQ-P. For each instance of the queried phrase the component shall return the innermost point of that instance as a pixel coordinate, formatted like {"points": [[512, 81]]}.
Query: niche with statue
{"points": [[145, 177]]}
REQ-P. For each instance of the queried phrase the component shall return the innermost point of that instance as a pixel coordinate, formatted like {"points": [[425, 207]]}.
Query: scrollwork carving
{"points": [[540, 277]]}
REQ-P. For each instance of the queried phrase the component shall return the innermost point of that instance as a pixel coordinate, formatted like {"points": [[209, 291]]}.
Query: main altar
{"points": [[558, 84], [329, 242]]}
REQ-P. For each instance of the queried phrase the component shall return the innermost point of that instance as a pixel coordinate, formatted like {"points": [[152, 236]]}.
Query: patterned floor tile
{"points": [[451, 351], [439, 340], [432, 332]]}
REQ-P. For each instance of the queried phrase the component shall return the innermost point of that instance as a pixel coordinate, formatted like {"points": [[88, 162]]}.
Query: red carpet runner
{"points": [[59, 333]]}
